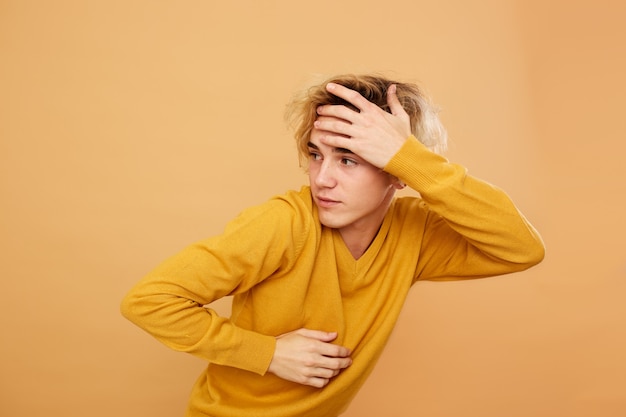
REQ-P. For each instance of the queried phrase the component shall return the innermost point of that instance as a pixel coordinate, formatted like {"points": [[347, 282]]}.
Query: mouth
{"points": [[326, 202]]}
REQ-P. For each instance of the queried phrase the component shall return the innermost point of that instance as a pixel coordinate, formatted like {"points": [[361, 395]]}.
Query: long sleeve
{"points": [[169, 302], [473, 229]]}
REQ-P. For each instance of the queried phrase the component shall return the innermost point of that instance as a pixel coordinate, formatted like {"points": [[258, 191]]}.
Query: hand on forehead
{"points": [[371, 132]]}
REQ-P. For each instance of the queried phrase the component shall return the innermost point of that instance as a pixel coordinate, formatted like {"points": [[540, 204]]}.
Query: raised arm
{"points": [[474, 230]]}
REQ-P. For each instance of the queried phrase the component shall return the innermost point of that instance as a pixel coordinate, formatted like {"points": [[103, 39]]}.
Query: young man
{"points": [[320, 275]]}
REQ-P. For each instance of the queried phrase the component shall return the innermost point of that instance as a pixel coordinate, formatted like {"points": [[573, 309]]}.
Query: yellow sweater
{"points": [[286, 272]]}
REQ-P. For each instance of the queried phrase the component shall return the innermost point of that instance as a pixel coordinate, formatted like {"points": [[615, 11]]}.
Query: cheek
{"points": [[379, 180], [378, 190]]}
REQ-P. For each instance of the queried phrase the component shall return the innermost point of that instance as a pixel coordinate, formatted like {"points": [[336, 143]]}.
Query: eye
{"points": [[348, 162], [314, 155]]}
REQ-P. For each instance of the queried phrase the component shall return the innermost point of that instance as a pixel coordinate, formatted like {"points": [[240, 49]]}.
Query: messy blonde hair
{"points": [[425, 123]]}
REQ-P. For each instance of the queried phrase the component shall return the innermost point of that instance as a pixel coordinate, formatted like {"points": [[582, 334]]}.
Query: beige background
{"points": [[129, 129]]}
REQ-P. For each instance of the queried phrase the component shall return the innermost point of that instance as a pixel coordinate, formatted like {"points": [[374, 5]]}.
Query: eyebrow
{"points": [[339, 150]]}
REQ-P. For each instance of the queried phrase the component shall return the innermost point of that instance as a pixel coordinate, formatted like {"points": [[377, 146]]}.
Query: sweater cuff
{"points": [[254, 353], [417, 166]]}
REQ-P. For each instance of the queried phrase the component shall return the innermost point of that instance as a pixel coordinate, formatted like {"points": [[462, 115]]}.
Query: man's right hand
{"points": [[308, 357]]}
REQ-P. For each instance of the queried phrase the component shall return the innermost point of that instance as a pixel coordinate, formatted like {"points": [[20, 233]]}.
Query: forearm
{"points": [[482, 214], [162, 309], [169, 303]]}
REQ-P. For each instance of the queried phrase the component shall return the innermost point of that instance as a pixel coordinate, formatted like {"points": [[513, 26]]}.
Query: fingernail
{"points": [[330, 86]]}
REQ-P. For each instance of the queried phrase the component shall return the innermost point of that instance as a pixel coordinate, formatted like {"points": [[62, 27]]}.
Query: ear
{"points": [[397, 183]]}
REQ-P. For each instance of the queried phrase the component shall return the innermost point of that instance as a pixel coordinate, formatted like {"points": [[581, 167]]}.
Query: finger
{"points": [[333, 351], [324, 373], [337, 111], [333, 125], [351, 96], [316, 382], [320, 375], [393, 102], [340, 141], [334, 364], [317, 334]]}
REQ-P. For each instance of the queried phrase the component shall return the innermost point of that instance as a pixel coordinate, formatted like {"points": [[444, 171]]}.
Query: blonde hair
{"points": [[423, 114]]}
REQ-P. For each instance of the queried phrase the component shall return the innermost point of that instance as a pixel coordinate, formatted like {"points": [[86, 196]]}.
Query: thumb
{"points": [[393, 102]]}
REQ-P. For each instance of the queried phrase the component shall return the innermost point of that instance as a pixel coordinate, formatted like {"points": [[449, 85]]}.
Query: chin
{"points": [[332, 223]]}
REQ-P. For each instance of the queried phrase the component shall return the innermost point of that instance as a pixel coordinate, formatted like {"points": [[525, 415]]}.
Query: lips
{"points": [[326, 202]]}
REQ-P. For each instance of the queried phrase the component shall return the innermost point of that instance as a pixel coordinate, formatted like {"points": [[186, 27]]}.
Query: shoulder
{"points": [[408, 216], [289, 215], [296, 200], [409, 207], [293, 207], [291, 203]]}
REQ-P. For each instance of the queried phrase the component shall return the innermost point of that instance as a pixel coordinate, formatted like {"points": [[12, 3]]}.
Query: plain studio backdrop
{"points": [[129, 129]]}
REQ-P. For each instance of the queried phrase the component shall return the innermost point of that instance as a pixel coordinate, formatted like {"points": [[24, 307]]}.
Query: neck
{"points": [[359, 236], [358, 240], [357, 245]]}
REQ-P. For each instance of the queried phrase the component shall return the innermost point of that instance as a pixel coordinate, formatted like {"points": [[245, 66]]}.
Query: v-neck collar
{"points": [[346, 261]]}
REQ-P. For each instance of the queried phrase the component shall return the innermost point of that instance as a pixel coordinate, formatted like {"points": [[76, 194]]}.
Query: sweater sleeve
{"points": [[472, 228], [170, 302]]}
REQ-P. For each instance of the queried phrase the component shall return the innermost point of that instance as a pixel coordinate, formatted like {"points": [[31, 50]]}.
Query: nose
{"points": [[324, 176]]}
